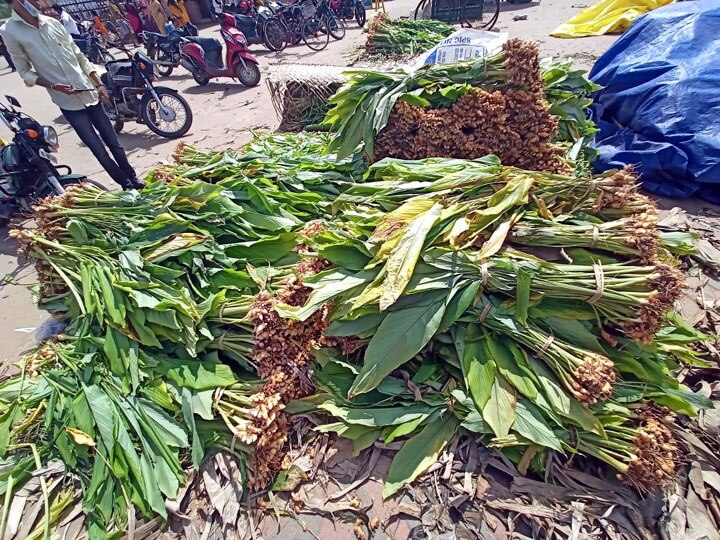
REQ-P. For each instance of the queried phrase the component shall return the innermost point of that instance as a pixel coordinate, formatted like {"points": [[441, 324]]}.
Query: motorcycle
{"points": [[28, 166], [134, 97], [203, 56], [348, 10], [92, 47], [164, 50]]}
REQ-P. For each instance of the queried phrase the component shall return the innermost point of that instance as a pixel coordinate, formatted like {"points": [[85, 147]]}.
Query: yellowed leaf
{"points": [[401, 261], [401, 217], [496, 241], [80, 437], [459, 228]]}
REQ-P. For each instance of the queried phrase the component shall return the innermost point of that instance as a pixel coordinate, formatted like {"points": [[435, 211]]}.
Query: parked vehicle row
{"points": [[164, 49], [94, 48]]}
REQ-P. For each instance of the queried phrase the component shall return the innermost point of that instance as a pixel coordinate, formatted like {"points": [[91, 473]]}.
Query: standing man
{"points": [[67, 21], [46, 55]]}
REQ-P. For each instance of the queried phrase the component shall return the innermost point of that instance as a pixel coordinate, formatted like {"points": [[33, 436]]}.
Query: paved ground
{"points": [[225, 112]]}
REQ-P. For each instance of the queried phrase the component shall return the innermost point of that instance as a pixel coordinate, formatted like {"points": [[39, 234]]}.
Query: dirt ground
{"points": [[224, 115]]}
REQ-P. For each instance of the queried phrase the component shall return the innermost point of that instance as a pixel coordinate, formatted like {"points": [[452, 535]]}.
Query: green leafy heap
{"points": [[459, 319], [503, 105], [157, 365], [411, 299], [388, 36], [568, 92]]}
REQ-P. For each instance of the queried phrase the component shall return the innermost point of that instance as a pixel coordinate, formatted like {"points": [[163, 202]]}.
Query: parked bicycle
{"points": [[285, 26], [307, 21], [332, 23]]}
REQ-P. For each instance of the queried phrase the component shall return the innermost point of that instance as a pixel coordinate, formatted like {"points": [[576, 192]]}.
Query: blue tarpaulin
{"points": [[660, 103]]}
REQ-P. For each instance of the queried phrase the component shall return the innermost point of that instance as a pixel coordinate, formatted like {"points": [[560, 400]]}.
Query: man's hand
{"points": [[64, 88], [103, 94]]}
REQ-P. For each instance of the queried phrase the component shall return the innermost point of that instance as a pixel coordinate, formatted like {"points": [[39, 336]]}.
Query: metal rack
{"points": [[80, 9], [464, 11]]}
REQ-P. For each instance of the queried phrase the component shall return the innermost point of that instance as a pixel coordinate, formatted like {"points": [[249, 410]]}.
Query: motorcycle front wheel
{"points": [[248, 73], [173, 120]]}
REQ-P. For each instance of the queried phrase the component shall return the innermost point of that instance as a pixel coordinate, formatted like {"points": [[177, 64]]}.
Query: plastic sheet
{"points": [[660, 105], [606, 17]]}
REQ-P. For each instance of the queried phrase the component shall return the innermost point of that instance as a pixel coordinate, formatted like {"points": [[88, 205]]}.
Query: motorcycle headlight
{"points": [[50, 136]]}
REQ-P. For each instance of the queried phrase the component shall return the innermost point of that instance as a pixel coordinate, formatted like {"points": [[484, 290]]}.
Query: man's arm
{"points": [[25, 69], [21, 61]]}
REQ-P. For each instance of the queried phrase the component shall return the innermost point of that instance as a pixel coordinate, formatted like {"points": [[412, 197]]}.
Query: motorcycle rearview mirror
{"points": [[12, 101]]}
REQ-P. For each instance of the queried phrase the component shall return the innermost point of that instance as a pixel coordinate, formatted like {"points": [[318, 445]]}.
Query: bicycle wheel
{"points": [[274, 35], [335, 26], [315, 34], [360, 15]]}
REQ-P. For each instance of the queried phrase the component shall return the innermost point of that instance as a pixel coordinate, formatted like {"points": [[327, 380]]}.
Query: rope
{"points": [[484, 272], [595, 236], [549, 341], [220, 341], [600, 283]]}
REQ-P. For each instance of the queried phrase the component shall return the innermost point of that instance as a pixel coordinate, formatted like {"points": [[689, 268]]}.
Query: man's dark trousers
{"points": [[95, 130], [4, 52]]}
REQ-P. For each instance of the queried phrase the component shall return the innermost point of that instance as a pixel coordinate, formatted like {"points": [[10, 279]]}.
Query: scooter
{"points": [[203, 56]]}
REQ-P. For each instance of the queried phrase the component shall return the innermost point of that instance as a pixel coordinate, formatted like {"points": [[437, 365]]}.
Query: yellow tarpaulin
{"points": [[606, 17]]}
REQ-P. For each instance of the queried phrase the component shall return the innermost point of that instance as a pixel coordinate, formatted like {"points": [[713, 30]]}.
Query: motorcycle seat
{"points": [[207, 44], [160, 39]]}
